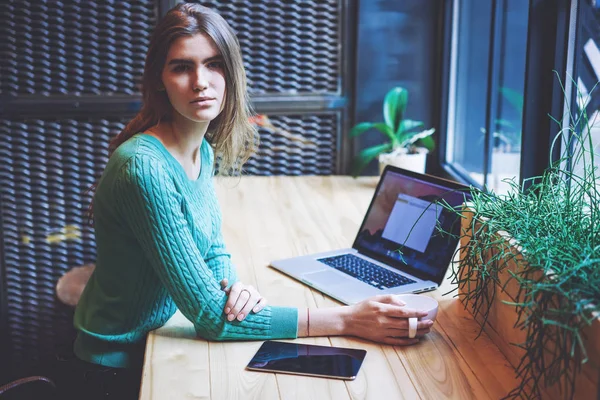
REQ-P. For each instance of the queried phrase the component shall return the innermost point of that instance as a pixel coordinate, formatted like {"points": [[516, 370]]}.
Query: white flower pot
{"points": [[400, 158]]}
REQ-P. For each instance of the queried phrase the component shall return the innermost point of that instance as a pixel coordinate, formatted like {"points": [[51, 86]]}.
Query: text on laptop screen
{"points": [[402, 224]]}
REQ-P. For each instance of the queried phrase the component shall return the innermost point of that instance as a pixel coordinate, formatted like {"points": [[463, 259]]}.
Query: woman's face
{"points": [[194, 78]]}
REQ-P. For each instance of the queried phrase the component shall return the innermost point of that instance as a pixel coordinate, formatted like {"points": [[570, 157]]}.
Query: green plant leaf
{"points": [[367, 155], [407, 125], [394, 107], [361, 128], [386, 130], [427, 142], [409, 138]]}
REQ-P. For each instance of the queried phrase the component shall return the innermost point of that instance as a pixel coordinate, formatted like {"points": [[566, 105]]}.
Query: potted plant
{"points": [[406, 146], [529, 271]]}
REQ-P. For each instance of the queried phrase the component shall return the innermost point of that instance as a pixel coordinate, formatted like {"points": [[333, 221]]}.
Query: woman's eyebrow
{"points": [[181, 61], [218, 57], [188, 61]]}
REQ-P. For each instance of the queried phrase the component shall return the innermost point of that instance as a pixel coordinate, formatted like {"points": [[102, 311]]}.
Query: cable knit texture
{"points": [[160, 248]]}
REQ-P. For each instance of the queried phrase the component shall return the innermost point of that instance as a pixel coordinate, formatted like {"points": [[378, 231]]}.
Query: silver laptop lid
{"points": [[400, 227]]}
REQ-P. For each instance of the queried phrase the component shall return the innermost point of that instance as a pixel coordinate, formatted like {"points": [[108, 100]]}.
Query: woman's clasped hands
{"points": [[383, 319], [242, 299]]}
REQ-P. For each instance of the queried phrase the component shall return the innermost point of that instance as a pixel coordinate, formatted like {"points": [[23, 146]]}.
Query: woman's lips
{"points": [[202, 102]]}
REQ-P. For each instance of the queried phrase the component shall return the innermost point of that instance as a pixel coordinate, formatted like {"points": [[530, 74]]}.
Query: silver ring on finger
{"points": [[412, 328]]}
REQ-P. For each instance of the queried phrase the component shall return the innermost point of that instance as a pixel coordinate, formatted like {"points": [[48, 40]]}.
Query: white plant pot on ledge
{"points": [[400, 158]]}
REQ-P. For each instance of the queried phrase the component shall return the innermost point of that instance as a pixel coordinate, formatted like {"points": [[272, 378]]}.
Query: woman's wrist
{"points": [[346, 320], [324, 321], [332, 321]]}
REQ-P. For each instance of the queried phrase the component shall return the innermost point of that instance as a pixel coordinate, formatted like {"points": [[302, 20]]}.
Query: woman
{"points": [[158, 223]]}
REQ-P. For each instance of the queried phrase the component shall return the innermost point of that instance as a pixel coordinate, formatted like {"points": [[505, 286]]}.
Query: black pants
{"points": [[80, 380], [83, 380]]}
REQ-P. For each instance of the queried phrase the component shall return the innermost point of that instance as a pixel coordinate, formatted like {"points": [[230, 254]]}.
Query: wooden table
{"points": [[267, 218]]}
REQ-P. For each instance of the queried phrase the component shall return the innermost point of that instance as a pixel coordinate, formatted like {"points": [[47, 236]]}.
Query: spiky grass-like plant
{"points": [[554, 222]]}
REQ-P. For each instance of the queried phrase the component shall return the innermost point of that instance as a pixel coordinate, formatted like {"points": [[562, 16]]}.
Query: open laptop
{"points": [[404, 215]]}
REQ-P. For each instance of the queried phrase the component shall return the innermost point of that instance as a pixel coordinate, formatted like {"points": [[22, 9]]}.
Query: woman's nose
{"points": [[201, 81]]}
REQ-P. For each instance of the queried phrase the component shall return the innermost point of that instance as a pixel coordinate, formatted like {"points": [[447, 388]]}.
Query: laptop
{"points": [[398, 248]]}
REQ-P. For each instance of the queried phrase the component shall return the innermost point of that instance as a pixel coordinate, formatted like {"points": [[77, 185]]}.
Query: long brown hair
{"points": [[232, 136]]}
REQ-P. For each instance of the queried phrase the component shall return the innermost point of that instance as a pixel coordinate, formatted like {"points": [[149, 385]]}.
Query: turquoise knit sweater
{"points": [[160, 248]]}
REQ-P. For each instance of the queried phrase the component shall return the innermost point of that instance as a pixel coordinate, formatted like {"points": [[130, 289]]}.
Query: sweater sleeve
{"points": [[151, 207], [218, 260]]}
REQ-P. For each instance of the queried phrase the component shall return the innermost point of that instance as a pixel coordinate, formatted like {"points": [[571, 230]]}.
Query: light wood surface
{"points": [[267, 218]]}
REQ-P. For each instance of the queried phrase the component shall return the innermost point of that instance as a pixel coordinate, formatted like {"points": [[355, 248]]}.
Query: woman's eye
{"points": [[215, 65], [181, 68]]}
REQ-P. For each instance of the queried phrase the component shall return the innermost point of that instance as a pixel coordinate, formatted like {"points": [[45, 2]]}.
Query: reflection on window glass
{"points": [[472, 70], [588, 73], [466, 137], [506, 149]]}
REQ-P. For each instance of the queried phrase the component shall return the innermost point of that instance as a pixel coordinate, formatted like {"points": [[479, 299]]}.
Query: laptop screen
{"points": [[401, 227]]}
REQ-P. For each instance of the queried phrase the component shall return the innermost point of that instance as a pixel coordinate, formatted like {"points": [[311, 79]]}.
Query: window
{"points": [[489, 43], [588, 71]]}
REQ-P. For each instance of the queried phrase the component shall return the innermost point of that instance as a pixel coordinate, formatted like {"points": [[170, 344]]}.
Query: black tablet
{"points": [[307, 359]]}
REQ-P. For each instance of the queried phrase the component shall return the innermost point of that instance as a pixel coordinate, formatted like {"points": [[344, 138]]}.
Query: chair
{"points": [[15, 389]]}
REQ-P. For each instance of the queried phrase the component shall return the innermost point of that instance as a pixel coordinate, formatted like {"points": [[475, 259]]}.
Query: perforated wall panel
{"points": [[72, 46], [46, 169], [288, 46], [299, 145]]}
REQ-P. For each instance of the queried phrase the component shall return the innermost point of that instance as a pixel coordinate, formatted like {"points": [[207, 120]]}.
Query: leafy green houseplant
{"points": [[403, 136], [536, 250]]}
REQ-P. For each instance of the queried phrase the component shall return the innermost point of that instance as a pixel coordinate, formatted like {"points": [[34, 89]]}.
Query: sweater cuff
{"points": [[284, 322]]}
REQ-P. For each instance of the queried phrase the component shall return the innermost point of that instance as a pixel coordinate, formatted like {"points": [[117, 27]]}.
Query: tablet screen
{"points": [[304, 359]]}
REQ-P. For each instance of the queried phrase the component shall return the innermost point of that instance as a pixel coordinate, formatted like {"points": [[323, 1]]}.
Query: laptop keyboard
{"points": [[366, 271]]}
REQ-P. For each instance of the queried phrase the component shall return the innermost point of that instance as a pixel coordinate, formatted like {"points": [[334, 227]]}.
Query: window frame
{"points": [[543, 94]]}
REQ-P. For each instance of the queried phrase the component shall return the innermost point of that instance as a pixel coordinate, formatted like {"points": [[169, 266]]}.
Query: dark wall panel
{"points": [[289, 47], [73, 47], [47, 168], [299, 145]]}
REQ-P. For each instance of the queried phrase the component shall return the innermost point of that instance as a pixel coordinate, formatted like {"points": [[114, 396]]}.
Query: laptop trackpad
{"points": [[326, 278]]}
